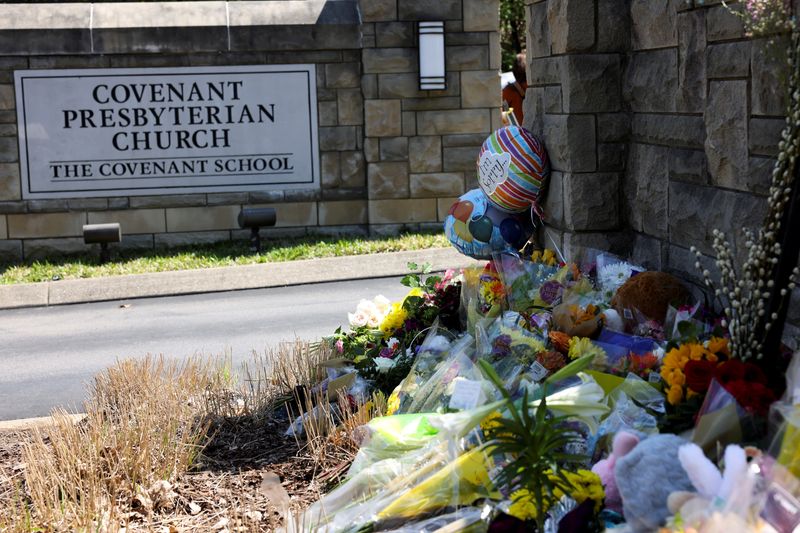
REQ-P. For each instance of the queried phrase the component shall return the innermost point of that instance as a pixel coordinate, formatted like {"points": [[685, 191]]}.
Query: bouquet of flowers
{"points": [[384, 336]]}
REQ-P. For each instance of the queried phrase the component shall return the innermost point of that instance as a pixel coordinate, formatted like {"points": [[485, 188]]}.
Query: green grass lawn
{"points": [[217, 255]]}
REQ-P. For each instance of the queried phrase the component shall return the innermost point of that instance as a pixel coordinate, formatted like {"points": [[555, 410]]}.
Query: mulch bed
{"points": [[246, 473]]}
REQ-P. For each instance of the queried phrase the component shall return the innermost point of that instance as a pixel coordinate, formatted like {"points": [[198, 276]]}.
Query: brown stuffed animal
{"points": [[650, 293]]}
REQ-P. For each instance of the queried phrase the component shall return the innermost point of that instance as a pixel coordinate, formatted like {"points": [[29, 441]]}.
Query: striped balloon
{"points": [[513, 169]]}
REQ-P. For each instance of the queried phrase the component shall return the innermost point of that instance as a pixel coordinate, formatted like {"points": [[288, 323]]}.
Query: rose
{"points": [[340, 346], [382, 304], [754, 374], [699, 374], [730, 371], [358, 319], [753, 397]]}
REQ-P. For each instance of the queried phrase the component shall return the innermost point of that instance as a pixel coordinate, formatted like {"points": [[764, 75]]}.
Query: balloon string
{"points": [[558, 250]]}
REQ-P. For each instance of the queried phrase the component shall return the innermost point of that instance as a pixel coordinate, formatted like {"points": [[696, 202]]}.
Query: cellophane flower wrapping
{"points": [[440, 469], [435, 349]]}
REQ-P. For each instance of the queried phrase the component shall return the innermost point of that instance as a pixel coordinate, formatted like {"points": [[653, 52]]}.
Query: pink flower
{"points": [[340, 346], [448, 276]]}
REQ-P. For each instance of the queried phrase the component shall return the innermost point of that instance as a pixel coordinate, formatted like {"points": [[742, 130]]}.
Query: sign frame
{"points": [[266, 170]]}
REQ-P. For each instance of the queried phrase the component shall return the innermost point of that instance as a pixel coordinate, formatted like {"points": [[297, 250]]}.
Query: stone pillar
{"points": [[576, 50], [420, 146]]}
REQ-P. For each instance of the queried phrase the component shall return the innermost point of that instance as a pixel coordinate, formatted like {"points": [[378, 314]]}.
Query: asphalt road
{"points": [[48, 354]]}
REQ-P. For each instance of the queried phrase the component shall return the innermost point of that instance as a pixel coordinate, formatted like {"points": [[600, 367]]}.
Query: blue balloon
{"points": [[478, 229]]}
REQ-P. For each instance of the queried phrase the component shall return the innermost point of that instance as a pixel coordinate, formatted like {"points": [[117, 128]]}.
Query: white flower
{"points": [[613, 276], [369, 313], [368, 307], [358, 319], [384, 364], [393, 344], [382, 303]]}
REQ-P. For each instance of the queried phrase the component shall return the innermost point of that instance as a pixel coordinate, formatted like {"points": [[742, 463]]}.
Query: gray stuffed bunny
{"points": [[646, 476]]}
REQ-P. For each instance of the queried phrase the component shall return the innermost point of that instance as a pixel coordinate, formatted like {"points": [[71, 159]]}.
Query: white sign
{"points": [[120, 132], [467, 394]]}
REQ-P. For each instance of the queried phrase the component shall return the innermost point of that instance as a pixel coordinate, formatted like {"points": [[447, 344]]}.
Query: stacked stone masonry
{"points": [[662, 121], [392, 157]]}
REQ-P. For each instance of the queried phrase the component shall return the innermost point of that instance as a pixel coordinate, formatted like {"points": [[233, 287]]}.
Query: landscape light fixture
{"points": [[431, 56], [102, 234], [256, 218]]}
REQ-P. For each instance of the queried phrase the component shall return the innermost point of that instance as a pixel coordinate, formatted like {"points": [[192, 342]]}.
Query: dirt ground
{"points": [[246, 476]]}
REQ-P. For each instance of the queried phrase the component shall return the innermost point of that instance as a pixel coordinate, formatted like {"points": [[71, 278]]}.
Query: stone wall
{"points": [[577, 53], [662, 121], [391, 156], [421, 146]]}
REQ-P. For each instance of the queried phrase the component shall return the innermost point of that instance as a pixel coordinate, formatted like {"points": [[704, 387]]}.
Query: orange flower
{"points": [[560, 341]]}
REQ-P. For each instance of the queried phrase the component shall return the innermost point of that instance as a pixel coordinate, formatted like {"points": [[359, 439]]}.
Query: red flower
{"points": [[754, 374], [762, 398], [729, 371], [753, 397], [699, 374]]}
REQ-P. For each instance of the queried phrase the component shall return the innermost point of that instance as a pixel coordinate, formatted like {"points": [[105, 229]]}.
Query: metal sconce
{"points": [[431, 56]]}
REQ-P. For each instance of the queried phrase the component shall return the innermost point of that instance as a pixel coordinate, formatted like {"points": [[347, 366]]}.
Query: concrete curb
{"points": [[31, 423], [226, 278]]}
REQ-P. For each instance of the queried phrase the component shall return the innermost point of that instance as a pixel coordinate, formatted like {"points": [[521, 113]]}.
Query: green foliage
{"points": [[537, 444], [415, 281], [512, 30], [216, 255]]}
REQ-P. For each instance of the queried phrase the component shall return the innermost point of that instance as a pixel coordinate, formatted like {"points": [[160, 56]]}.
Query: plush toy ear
{"points": [[624, 442], [703, 474], [735, 471]]}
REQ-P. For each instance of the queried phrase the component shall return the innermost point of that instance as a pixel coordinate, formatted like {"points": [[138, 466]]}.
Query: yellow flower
{"points": [[718, 345], [675, 394], [416, 291], [394, 319], [536, 256], [671, 360], [696, 352], [581, 346], [678, 378], [522, 506], [517, 339], [586, 486], [393, 403]]}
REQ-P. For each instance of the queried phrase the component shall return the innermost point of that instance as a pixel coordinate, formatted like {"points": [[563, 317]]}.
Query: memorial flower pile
{"points": [[539, 393], [507, 405]]}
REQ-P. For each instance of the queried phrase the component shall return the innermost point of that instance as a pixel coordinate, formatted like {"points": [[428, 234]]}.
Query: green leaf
{"points": [[410, 280], [578, 365], [412, 266], [688, 330]]}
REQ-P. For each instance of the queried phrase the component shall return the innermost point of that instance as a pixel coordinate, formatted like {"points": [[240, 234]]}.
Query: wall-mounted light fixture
{"points": [[431, 56]]}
